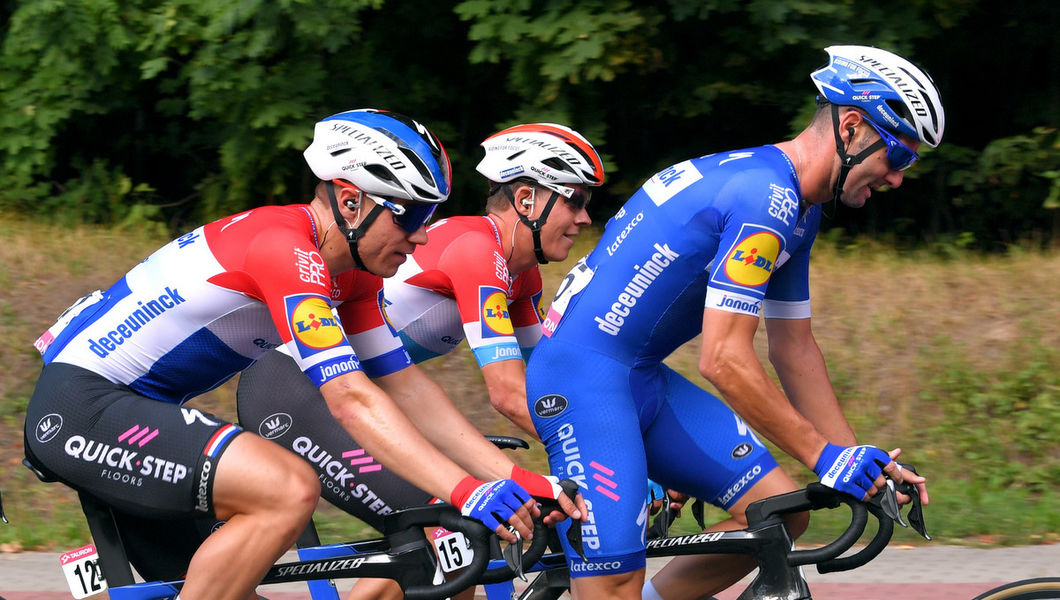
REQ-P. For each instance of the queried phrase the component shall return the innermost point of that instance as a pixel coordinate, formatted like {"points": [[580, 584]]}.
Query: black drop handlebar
{"points": [[817, 496]]}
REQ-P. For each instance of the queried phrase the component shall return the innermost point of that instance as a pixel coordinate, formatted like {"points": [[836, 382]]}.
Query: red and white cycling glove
{"points": [[539, 486]]}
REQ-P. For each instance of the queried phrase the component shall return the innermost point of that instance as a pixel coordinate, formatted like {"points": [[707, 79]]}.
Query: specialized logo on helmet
{"points": [[275, 425], [549, 406], [48, 427], [751, 261], [493, 304], [313, 326]]}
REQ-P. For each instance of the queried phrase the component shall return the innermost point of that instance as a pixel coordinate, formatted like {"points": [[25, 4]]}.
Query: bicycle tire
{"points": [[1042, 588]]}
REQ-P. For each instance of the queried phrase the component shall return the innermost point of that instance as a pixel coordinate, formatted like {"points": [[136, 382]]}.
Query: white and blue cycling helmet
{"points": [[384, 156], [896, 94]]}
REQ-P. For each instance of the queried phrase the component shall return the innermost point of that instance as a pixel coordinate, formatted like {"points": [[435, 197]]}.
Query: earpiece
{"points": [[528, 202], [850, 132], [350, 204]]}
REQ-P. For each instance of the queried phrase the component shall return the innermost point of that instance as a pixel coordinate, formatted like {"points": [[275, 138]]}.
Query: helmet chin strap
{"points": [[847, 161], [352, 235], [534, 225]]}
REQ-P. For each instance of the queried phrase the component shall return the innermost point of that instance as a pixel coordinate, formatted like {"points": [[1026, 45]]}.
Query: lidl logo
{"points": [[752, 259], [494, 311], [539, 303], [383, 303], [313, 325]]}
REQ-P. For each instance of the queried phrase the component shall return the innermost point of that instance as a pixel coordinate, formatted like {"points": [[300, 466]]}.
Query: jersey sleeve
{"points": [[479, 276], [528, 310], [788, 296], [363, 316], [282, 267], [754, 237]]}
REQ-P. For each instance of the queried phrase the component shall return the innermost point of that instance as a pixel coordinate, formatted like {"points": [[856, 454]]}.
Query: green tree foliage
{"points": [[200, 108]]}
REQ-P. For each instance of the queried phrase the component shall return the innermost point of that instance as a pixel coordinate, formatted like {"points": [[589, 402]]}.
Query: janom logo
{"points": [[313, 325], [495, 318], [751, 260]]}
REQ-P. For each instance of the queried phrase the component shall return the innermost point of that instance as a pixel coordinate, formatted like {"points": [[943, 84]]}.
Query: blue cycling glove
{"points": [[492, 502], [850, 469]]}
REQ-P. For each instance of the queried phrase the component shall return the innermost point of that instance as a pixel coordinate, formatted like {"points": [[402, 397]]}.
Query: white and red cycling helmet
{"points": [[550, 155]]}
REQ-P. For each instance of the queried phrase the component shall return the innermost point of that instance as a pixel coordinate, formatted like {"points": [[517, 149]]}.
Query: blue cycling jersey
{"points": [[726, 231]]}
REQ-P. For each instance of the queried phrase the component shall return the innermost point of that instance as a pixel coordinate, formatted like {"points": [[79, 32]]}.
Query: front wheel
{"points": [[1043, 588]]}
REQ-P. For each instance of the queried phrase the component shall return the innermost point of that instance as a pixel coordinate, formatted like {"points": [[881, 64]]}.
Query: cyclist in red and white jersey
{"points": [[107, 418], [475, 279]]}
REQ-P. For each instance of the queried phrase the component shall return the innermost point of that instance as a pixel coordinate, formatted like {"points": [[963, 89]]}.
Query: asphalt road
{"points": [[931, 572]]}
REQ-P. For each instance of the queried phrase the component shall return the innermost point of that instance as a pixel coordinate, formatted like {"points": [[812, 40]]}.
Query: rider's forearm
{"points": [[800, 365], [506, 384], [434, 414], [750, 392], [377, 424]]}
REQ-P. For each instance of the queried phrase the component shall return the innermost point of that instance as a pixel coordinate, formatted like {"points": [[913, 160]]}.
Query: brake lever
{"points": [[513, 554], [916, 510], [574, 532], [887, 499]]}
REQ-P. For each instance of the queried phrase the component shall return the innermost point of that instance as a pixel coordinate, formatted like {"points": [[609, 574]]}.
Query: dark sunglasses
{"points": [[410, 216], [899, 155]]}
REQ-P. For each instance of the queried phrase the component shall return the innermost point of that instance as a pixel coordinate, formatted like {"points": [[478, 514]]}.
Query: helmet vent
{"points": [[381, 173], [418, 164], [340, 151], [557, 164], [422, 193], [516, 155]]}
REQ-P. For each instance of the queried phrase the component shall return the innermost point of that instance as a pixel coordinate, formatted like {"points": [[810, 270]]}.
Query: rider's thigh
{"points": [[696, 444], [774, 483], [622, 586], [255, 475]]}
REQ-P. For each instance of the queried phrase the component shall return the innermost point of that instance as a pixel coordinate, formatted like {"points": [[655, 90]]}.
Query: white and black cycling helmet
{"points": [[384, 156], [546, 154], [897, 94]]}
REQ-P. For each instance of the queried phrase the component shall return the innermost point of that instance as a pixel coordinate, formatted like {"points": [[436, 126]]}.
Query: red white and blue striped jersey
{"points": [[209, 303], [458, 287]]}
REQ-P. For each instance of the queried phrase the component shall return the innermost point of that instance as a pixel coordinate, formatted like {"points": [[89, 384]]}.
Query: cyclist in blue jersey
{"points": [[709, 246]]}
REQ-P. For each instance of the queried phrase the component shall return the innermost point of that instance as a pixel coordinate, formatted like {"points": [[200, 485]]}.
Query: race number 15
{"points": [[83, 573]]}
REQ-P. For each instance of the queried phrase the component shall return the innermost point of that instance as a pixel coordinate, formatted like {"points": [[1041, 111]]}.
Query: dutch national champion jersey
{"points": [[457, 286], [726, 231], [209, 303]]}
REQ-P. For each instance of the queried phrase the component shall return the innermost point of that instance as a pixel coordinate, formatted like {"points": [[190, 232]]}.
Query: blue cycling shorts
{"points": [[610, 427]]}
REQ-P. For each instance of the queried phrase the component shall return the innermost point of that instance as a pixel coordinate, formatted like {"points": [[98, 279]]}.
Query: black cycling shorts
{"points": [[145, 457], [276, 400]]}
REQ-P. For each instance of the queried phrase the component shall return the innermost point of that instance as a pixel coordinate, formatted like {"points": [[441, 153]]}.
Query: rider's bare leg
{"points": [[624, 586], [266, 494], [689, 577]]}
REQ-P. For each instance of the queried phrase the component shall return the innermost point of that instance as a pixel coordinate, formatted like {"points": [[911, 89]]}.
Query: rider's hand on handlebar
{"points": [[855, 470], [548, 488], [497, 504], [909, 476]]}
